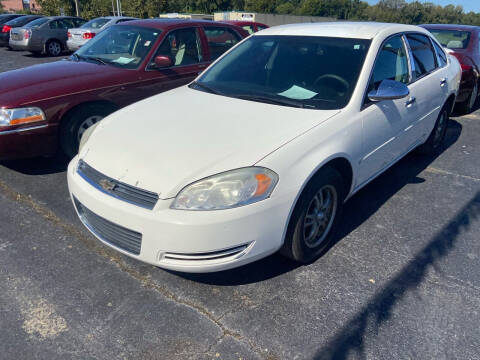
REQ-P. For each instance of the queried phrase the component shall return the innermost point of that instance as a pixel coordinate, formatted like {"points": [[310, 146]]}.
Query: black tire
{"points": [[435, 140], [53, 48], [77, 121], [468, 105], [296, 245]]}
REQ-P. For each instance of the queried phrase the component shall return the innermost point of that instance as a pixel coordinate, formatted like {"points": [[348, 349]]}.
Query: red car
{"points": [[49, 105], [463, 41], [249, 26]]}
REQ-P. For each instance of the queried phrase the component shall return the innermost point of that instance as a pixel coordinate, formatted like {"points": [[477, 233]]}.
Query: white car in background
{"points": [[77, 37], [261, 151]]}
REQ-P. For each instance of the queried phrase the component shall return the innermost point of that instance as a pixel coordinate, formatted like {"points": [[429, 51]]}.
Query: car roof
{"points": [[62, 17], [451, 27], [341, 29], [163, 24], [241, 22]]}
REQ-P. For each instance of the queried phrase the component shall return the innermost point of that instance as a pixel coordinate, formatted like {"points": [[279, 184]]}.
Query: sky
{"points": [[468, 5]]}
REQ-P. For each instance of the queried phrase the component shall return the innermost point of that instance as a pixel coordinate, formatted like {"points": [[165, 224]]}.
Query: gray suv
{"points": [[46, 35]]}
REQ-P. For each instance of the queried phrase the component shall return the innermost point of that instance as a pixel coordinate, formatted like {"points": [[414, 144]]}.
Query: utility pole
{"points": [[113, 8], [76, 8], [119, 8]]}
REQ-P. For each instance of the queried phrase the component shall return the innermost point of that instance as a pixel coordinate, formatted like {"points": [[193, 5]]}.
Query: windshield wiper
{"points": [[270, 100], [97, 59], [203, 87]]}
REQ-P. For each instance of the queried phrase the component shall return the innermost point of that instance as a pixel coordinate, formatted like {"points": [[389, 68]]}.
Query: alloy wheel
{"points": [[85, 124], [54, 48], [320, 216]]}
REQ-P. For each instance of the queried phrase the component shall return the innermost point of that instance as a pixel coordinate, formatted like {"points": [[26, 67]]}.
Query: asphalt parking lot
{"points": [[402, 281]]}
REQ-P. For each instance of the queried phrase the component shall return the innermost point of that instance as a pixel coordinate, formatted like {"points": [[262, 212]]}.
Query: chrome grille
{"points": [[110, 232], [207, 256], [122, 191]]}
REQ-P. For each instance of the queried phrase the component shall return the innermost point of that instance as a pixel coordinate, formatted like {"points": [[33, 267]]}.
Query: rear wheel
{"points": [[315, 218], [79, 120], [53, 48], [435, 140], [468, 105]]}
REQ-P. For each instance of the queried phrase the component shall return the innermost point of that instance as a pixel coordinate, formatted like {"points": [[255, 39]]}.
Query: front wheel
{"points": [[79, 120], [315, 218]]}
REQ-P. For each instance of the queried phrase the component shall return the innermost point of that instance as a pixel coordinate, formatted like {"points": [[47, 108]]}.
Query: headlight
{"points": [[86, 135], [227, 190], [11, 117]]}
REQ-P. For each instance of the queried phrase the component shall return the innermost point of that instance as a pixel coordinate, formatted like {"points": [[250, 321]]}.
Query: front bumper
{"points": [[28, 142], [185, 240]]}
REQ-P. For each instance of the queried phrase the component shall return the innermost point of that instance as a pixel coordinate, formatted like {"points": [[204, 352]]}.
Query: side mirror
{"points": [[163, 62], [389, 90]]}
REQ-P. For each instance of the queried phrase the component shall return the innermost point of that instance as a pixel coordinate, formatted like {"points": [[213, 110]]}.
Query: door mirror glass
{"points": [[389, 90], [162, 61]]}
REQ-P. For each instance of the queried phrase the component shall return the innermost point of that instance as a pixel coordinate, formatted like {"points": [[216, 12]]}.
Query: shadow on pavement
{"points": [[39, 166], [356, 211], [351, 338]]}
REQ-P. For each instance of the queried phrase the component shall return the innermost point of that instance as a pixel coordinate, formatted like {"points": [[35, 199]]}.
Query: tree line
{"points": [[398, 11]]}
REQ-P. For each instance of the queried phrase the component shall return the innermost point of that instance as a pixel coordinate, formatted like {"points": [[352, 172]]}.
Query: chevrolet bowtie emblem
{"points": [[107, 185]]}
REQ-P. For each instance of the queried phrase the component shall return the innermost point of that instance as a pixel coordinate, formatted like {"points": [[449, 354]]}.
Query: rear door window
{"points": [[220, 39], [249, 29], [423, 55]]}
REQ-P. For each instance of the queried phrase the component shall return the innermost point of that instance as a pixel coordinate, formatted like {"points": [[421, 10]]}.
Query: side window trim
{"points": [[411, 63], [411, 54], [437, 48], [365, 104]]}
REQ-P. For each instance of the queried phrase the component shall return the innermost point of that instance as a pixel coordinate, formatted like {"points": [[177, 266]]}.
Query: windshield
{"points": [[302, 71], [36, 23], [452, 39], [95, 23], [122, 46]]}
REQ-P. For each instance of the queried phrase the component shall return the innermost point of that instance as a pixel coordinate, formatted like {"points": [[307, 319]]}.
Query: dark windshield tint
{"points": [[452, 39], [36, 23], [120, 46], [95, 23], [306, 71]]}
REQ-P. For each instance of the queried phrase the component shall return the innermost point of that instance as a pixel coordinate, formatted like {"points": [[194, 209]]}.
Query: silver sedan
{"points": [[77, 37]]}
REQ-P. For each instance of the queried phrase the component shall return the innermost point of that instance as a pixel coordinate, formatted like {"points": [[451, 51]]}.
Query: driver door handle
{"points": [[443, 82], [410, 101]]}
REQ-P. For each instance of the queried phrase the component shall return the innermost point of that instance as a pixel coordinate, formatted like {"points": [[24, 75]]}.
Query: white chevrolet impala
{"points": [[261, 151]]}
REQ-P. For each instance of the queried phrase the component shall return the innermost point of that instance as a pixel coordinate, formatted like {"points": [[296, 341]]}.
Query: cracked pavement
{"points": [[401, 281]]}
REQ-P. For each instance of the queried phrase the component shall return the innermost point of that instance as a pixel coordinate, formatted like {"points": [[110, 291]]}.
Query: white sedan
{"points": [[261, 151]]}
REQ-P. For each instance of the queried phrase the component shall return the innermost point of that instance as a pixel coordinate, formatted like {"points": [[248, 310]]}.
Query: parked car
{"points": [[249, 26], [45, 105], [15, 23], [7, 17], [47, 35], [464, 43], [79, 36], [260, 152]]}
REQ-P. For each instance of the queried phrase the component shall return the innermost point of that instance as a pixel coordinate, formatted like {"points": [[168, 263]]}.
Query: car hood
{"points": [[59, 78], [165, 142]]}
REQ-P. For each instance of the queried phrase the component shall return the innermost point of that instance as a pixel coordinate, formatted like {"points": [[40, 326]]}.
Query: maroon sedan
{"points": [[249, 26], [463, 41], [50, 105]]}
